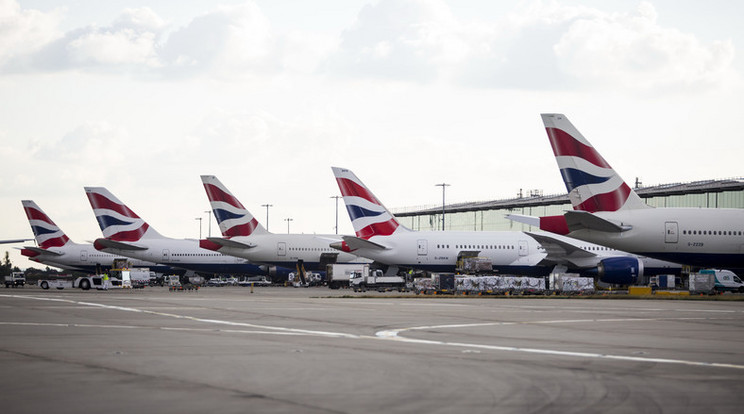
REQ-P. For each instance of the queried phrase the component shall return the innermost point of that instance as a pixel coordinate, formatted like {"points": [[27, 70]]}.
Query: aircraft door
{"points": [[422, 248], [524, 248], [83, 255], [166, 255], [671, 234], [281, 249]]}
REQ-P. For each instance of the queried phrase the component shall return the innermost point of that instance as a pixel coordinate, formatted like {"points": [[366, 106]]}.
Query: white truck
{"points": [[374, 279], [15, 279], [55, 283], [339, 274], [725, 280]]}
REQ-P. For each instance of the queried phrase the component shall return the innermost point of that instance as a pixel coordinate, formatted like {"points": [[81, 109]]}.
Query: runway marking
{"points": [[214, 321], [393, 334]]}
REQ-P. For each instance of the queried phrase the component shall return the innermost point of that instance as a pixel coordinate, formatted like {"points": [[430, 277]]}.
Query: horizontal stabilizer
{"points": [[111, 244], [529, 220], [231, 243], [580, 220], [559, 250], [42, 251], [11, 241], [355, 243]]}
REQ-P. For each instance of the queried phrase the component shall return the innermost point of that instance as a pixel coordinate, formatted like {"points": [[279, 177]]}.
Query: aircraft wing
{"points": [[559, 250], [355, 243], [14, 241], [42, 251], [231, 243], [111, 244], [580, 220], [529, 220]]}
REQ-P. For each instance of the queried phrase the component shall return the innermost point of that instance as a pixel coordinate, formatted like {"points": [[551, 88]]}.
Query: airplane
{"points": [[125, 233], [245, 237], [381, 237], [607, 211], [57, 250]]}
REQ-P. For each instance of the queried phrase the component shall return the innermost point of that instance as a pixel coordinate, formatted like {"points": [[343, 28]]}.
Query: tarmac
{"points": [[315, 350]]}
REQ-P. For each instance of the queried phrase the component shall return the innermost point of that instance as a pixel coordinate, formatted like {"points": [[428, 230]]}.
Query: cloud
{"points": [[229, 39], [25, 31], [538, 45], [410, 40], [633, 50]]}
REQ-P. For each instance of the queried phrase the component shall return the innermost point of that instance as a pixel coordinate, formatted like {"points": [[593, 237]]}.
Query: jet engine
{"points": [[620, 270]]}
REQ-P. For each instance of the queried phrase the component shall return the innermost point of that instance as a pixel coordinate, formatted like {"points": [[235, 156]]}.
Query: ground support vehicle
{"points": [[136, 278], [100, 282], [55, 283], [570, 284], [473, 265], [500, 285], [725, 280], [704, 283], [374, 279], [172, 281], [436, 283], [338, 274], [254, 281], [15, 279]]}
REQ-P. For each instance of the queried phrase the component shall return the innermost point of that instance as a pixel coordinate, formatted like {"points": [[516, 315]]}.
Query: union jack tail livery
{"points": [[368, 216], [233, 218], [591, 183], [117, 221], [47, 233]]}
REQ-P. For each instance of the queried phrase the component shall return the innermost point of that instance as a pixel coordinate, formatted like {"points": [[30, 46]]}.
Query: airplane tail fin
{"points": [[47, 233], [368, 216], [233, 218], [591, 183], [116, 220]]}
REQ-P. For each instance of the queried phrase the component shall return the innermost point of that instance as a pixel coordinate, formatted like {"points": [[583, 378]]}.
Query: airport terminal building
{"points": [[490, 215]]}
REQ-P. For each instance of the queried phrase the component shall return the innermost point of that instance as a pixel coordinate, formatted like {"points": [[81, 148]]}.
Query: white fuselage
{"points": [[692, 236], [510, 252], [84, 257], [186, 254], [286, 250]]}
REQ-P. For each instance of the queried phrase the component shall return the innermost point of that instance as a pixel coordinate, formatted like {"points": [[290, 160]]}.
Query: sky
{"points": [[143, 97]]}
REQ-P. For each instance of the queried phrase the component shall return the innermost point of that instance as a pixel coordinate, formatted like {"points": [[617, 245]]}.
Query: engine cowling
{"points": [[620, 270]]}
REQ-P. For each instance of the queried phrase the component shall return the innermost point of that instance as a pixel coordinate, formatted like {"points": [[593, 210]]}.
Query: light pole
{"points": [[336, 197], [287, 220], [200, 220], [267, 214], [443, 185], [209, 220]]}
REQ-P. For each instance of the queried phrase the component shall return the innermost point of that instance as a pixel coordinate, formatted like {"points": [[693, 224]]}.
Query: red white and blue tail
{"points": [[47, 233], [233, 218], [117, 221], [368, 216], [591, 183]]}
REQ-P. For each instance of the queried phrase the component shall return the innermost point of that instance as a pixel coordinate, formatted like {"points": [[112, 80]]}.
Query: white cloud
{"points": [[25, 31], [631, 50]]}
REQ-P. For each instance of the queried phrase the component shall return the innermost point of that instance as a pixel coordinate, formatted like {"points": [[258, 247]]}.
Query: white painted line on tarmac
{"points": [[393, 334], [192, 318]]}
